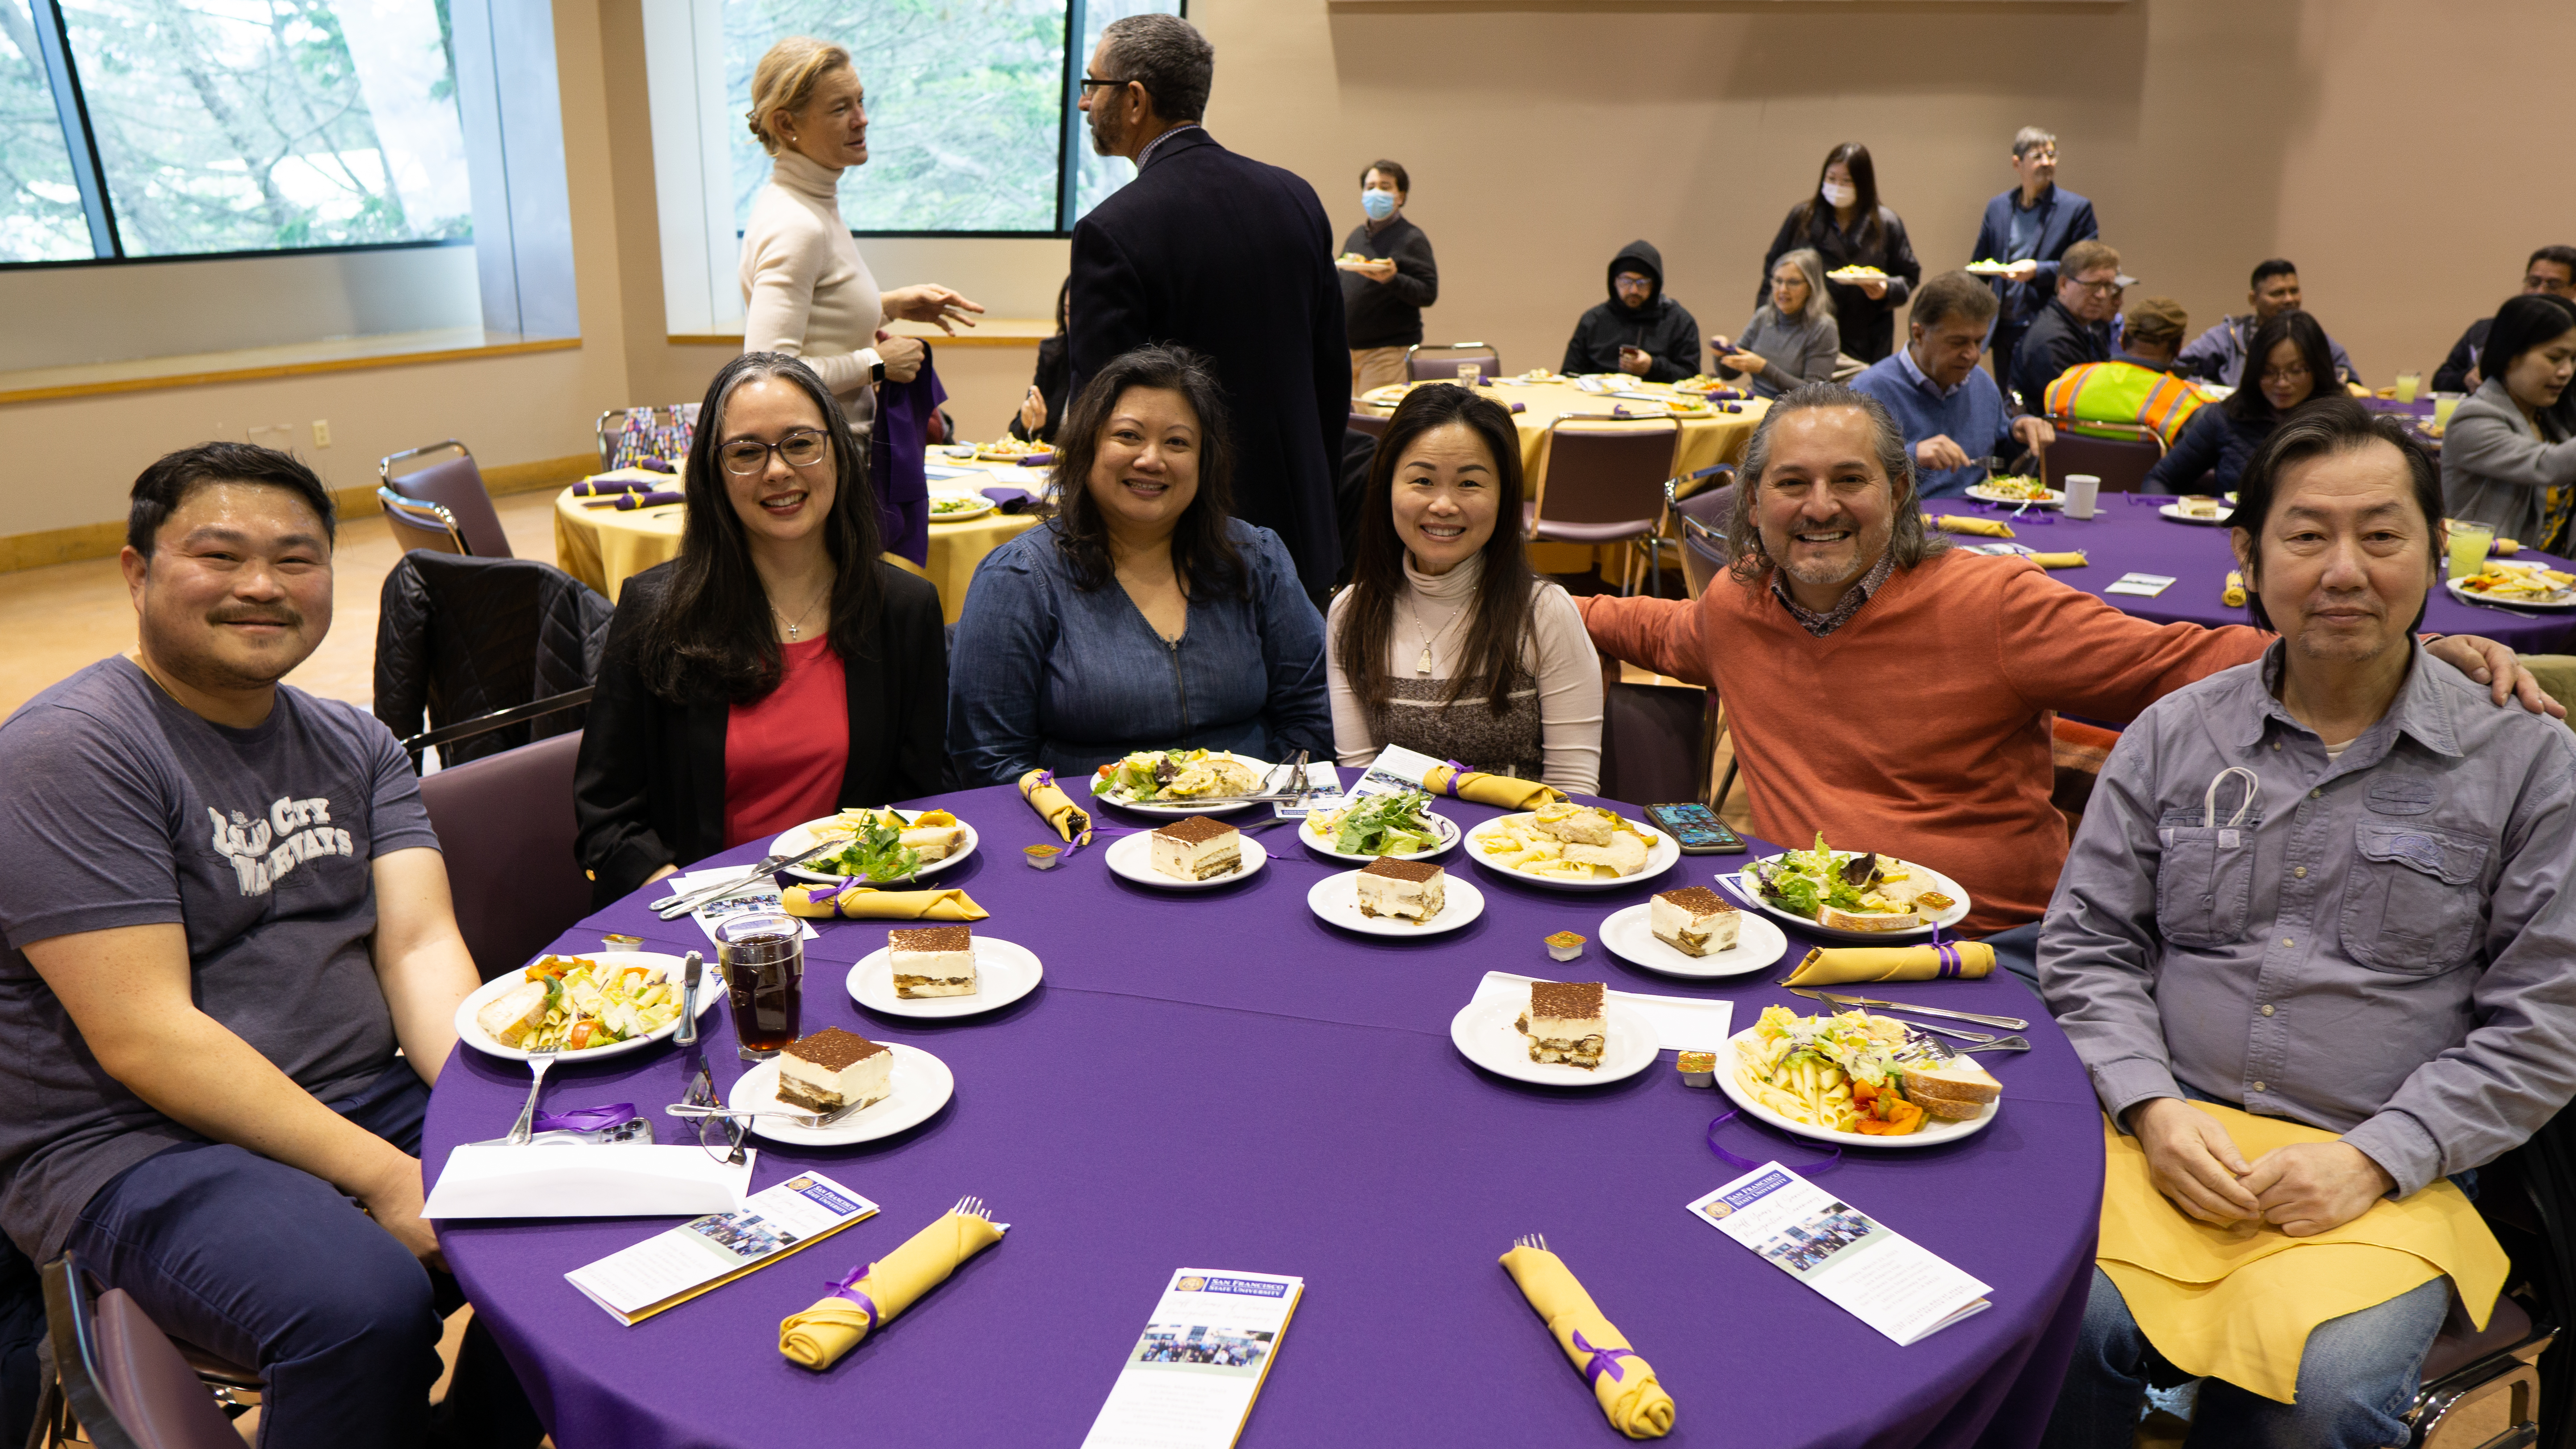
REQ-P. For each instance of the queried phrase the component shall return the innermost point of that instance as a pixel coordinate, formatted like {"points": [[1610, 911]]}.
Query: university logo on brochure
{"points": [[293, 832]]}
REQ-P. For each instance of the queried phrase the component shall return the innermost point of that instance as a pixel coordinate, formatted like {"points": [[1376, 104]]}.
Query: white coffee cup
{"points": [[2081, 488]]}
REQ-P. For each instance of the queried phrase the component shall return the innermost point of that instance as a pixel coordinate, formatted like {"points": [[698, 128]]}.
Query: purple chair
{"points": [[2121, 463], [1702, 516], [125, 1382], [1604, 483], [1441, 363], [505, 823], [1372, 424], [444, 474]]}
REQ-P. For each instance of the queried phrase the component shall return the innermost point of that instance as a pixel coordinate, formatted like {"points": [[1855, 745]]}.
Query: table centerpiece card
{"points": [[2144, 585], [1853, 1261], [1190, 1378], [671, 1268]]}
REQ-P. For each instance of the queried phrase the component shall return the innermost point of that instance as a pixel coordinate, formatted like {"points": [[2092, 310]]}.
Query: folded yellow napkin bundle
{"points": [[2058, 560], [1624, 1383], [819, 1336], [1071, 822], [1498, 790], [1951, 960], [1982, 527], [859, 902]]}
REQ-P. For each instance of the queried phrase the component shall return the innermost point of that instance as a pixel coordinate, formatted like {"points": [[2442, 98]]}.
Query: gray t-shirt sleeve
{"points": [[401, 820], [84, 829]]}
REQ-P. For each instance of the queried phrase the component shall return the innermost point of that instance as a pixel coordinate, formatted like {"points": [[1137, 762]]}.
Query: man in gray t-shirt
{"points": [[223, 909]]}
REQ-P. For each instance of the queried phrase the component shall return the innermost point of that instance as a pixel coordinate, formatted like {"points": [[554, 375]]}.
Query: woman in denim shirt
{"points": [[1144, 615]]}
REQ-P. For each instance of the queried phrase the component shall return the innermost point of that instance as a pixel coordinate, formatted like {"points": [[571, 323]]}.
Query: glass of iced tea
{"points": [[763, 957]]}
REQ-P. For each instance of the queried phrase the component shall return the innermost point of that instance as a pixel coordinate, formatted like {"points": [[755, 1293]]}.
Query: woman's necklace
{"points": [[1422, 664], [796, 625]]}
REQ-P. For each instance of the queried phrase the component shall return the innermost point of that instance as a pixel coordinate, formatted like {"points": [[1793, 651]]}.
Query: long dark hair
{"points": [[2248, 404], [1864, 175], [1492, 651], [2522, 324], [1203, 556], [711, 637]]}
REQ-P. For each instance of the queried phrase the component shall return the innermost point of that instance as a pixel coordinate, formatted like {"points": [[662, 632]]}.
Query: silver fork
{"points": [[972, 1207], [542, 1058], [1531, 1240], [1982, 1038]]}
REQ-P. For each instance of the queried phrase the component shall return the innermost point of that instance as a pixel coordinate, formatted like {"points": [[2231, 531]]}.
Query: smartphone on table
{"points": [[1696, 829]]}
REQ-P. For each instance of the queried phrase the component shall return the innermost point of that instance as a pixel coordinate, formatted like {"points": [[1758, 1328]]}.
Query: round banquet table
{"points": [[1217, 1079], [2127, 535], [1707, 439]]}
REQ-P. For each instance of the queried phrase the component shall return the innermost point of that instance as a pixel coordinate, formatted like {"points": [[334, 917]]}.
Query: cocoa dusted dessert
{"points": [[1410, 890], [932, 961], [1566, 1022], [1197, 848], [833, 1069], [1694, 920]]}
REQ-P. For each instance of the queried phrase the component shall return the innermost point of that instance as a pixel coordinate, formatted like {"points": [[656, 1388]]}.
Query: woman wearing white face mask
{"points": [[1384, 293], [1848, 228]]}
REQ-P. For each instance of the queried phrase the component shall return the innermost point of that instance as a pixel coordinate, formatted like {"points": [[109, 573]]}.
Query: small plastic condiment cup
{"points": [[1043, 857]]}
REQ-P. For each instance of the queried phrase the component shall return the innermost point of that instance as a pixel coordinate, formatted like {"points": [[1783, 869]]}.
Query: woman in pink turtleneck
{"points": [[805, 290]]}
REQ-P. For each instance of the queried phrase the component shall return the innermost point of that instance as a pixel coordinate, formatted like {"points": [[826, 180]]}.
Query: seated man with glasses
{"points": [[225, 910], [2551, 271], [2328, 888], [2075, 327], [1956, 427]]}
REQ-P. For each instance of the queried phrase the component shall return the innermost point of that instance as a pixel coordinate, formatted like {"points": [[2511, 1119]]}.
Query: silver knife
{"points": [[671, 908], [691, 969], [2008, 1023]]}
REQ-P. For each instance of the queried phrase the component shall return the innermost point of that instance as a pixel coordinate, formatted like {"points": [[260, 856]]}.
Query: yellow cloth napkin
{"points": [[1484, 789], [1635, 1404], [2234, 597], [870, 904], [1070, 821], [1963, 960], [817, 1337], [2058, 560], [2238, 1302], [1982, 527]]}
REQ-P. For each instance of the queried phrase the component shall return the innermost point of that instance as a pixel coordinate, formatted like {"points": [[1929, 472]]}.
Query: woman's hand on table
{"points": [[2496, 666], [902, 356], [2309, 1188], [2192, 1161], [1033, 412], [662, 874], [930, 303]]}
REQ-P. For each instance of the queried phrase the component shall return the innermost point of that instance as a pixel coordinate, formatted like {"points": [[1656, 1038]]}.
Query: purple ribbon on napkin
{"points": [[848, 1287], [1602, 1361], [584, 1119], [604, 487], [650, 500], [1747, 1164]]}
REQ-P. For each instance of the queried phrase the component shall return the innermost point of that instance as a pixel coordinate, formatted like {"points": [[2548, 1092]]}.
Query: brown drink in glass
{"points": [[764, 965]]}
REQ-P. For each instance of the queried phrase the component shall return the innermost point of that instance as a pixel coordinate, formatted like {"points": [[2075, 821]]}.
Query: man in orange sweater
{"points": [[1895, 694]]}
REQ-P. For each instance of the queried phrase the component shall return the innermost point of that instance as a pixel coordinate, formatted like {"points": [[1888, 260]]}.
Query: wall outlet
{"points": [[321, 433]]}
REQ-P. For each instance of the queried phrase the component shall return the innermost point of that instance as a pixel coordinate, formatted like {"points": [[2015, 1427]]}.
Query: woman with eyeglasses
{"points": [[776, 671], [2509, 455], [1844, 224], [1792, 339], [2286, 364]]}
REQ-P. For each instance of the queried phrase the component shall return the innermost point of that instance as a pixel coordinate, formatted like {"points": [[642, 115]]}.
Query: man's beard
{"points": [[1108, 132], [182, 661], [1819, 574]]}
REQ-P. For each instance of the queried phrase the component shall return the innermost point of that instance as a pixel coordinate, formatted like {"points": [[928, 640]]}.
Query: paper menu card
{"points": [[2143, 585], [673, 1267], [1395, 770], [1191, 1376], [759, 896], [1853, 1261], [1682, 1023], [587, 1180]]}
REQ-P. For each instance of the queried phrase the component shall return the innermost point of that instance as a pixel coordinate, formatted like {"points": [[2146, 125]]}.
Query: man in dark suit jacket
{"points": [[1226, 256], [2029, 229]]}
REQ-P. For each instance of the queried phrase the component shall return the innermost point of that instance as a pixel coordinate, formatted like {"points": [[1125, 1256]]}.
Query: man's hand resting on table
{"points": [[2309, 1188], [2193, 1162]]}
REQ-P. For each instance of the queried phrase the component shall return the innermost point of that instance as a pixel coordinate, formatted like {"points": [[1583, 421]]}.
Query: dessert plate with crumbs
{"points": [[1005, 971], [921, 1085], [1335, 901]]}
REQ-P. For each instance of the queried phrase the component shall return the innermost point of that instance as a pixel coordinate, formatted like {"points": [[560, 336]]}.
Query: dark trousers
{"points": [[272, 1266]]}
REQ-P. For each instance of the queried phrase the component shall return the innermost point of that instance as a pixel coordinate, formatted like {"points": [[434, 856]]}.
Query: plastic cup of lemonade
{"points": [[2407, 384], [2445, 404], [2469, 543]]}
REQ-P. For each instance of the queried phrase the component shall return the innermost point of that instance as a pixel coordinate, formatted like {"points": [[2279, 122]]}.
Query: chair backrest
{"points": [[1702, 519], [1654, 742], [121, 1376], [459, 638], [1606, 472], [505, 824], [2121, 465], [452, 482], [420, 525], [1373, 424], [1432, 361]]}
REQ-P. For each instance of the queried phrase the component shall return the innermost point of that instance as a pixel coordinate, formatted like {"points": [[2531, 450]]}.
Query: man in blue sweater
{"points": [[1953, 415]]}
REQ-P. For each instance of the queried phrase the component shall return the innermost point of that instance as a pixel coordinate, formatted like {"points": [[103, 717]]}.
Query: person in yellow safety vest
{"points": [[2135, 388]]}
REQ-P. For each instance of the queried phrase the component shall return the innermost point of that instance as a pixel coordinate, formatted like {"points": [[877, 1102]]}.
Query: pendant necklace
{"points": [[796, 625]]}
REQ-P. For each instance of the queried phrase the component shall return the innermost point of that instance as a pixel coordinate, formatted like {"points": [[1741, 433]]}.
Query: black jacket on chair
{"points": [[458, 637], [650, 789]]}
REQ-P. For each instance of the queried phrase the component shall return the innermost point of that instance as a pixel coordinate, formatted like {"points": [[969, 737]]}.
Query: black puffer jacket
{"points": [[1663, 328], [459, 637]]}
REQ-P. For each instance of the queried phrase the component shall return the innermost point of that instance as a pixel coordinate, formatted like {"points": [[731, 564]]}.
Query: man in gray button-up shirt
{"points": [[2329, 886]]}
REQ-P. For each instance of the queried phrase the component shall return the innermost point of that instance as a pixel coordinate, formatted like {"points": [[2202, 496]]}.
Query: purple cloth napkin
{"points": [[895, 461], [653, 499], [608, 487], [1011, 497]]}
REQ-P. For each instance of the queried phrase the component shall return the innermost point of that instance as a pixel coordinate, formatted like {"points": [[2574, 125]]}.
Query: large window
{"points": [[159, 128]]}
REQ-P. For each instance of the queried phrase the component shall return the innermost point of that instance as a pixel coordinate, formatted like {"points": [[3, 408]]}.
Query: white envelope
{"points": [[1682, 1023], [603, 1180]]}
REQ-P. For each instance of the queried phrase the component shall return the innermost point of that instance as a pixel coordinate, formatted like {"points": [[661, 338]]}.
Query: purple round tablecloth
{"points": [[1218, 1079], [2127, 535]]}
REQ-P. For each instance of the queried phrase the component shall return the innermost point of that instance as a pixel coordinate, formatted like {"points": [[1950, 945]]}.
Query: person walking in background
{"points": [[2551, 270], [1844, 224], [1639, 331], [1226, 256], [2029, 229], [1793, 337], [1044, 402], [2219, 353], [1383, 297]]}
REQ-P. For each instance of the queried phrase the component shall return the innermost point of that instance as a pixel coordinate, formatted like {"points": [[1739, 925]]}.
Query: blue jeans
{"points": [[2356, 1377], [268, 1265]]}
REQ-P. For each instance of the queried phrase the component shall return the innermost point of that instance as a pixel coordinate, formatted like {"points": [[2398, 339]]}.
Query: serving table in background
{"points": [[1219, 1079]]}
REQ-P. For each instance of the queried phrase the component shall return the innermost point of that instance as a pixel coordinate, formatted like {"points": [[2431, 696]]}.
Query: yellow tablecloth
{"points": [[604, 547]]}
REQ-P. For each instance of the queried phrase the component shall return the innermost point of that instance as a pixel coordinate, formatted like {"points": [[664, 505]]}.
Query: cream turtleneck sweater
{"points": [[1437, 612], [805, 290]]}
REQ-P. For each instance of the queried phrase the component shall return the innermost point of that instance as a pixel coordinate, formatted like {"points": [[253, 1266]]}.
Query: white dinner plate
{"points": [[1934, 1132], [1321, 844], [1630, 935], [1335, 901], [2505, 603], [2174, 512], [1261, 770], [799, 837], [922, 1084], [1004, 972], [1745, 893], [1662, 852], [710, 986], [1983, 494], [1851, 278], [1484, 1034], [960, 515], [1132, 856], [1988, 269]]}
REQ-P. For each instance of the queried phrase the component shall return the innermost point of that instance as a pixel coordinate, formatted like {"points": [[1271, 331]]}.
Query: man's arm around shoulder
{"points": [[1660, 634]]}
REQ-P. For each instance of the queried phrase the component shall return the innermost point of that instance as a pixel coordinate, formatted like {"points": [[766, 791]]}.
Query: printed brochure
{"points": [[1852, 1260], [671, 1268], [1191, 1377]]}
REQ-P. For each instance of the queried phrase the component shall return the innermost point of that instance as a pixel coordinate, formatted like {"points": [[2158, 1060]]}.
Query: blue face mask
{"points": [[1378, 204]]}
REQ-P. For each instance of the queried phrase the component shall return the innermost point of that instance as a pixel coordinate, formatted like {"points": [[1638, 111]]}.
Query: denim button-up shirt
{"points": [[2379, 945], [1044, 674]]}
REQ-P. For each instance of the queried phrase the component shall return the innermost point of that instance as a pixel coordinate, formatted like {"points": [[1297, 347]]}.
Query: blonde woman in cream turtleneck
{"points": [[1446, 642], [805, 290]]}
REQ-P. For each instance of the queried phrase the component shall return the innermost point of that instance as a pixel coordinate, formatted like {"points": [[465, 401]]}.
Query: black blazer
{"points": [[650, 787], [1233, 259]]}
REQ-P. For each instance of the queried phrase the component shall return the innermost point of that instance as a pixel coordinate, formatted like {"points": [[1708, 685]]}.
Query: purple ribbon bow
{"points": [[608, 486], [1456, 769], [654, 499], [1948, 951], [584, 1119], [848, 1287], [1602, 1361]]}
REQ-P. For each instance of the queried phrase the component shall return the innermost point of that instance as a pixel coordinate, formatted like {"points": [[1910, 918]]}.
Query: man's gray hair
{"points": [[1908, 540], [1168, 56], [2031, 138], [1954, 294]]}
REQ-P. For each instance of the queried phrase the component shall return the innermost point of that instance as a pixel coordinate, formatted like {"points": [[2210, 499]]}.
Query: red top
{"points": [[785, 752]]}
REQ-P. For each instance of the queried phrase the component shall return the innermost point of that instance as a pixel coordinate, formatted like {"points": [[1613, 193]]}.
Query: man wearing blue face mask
{"points": [[1387, 279]]}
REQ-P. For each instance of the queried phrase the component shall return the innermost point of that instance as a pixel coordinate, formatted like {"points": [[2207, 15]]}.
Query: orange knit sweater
{"points": [[1919, 728]]}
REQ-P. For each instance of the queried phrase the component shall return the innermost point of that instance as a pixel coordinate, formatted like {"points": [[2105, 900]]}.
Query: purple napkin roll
{"points": [[1520, 407], [584, 1119], [650, 500], [658, 465], [606, 487]]}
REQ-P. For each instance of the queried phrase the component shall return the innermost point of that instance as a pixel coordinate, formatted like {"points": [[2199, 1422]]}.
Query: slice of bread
{"points": [[1958, 1089], [1834, 918], [935, 842], [512, 1016]]}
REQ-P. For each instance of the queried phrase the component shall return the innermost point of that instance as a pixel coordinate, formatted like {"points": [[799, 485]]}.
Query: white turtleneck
{"points": [[1438, 611], [805, 290]]}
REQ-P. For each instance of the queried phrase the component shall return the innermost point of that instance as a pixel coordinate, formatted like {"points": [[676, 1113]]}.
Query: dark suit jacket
{"points": [[1232, 259], [650, 788], [2064, 219], [2057, 340]]}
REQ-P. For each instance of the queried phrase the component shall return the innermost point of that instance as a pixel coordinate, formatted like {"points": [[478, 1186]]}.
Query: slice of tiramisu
{"points": [[1412, 890], [1197, 848], [1694, 920], [833, 1069], [932, 961], [1565, 1023]]}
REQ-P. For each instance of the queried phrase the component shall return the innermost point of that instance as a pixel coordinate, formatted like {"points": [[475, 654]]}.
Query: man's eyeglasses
{"points": [[1090, 81], [2103, 288], [720, 1136], [744, 457], [2295, 372]]}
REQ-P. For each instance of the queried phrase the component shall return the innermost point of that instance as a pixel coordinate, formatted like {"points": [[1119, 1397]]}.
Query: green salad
{"points": [[1806, 881], [1398, 824], [877, 852]]}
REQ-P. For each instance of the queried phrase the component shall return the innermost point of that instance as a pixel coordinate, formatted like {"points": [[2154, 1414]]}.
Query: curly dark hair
{"points": [[1202, 554]]}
